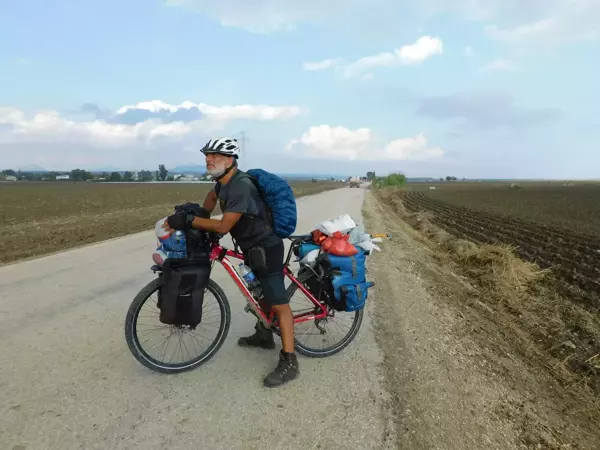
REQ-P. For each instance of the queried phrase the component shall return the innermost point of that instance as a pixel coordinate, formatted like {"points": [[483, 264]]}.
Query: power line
{"points": [[243, 134]]}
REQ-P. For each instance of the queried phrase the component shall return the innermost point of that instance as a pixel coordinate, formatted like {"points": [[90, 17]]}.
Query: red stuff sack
{"points": [[339, 245]]}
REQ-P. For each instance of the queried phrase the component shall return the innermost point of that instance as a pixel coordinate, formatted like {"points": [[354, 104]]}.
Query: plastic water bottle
{"points": [[179, 246], [250, 279]]}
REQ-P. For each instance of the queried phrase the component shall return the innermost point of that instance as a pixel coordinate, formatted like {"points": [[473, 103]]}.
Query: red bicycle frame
{"points": [[220, 254]]}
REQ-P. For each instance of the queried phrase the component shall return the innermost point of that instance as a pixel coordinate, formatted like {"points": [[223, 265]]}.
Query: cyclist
{"points": [[244, 217]]}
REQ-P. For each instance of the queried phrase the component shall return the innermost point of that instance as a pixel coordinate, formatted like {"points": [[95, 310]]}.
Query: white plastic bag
{"points": [[368, 246], [161, 233], [358, 235], [343, 224], [311, 256]]}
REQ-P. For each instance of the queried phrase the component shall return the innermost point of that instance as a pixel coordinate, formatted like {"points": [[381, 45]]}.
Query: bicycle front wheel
{"points": [[323, 337], [173, 348]]}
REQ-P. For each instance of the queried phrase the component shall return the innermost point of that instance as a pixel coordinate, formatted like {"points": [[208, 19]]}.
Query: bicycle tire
{"points": [[313, 353], [146, 360]]}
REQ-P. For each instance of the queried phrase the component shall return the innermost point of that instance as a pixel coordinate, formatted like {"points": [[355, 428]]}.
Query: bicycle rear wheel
{"points": [[143, 331], [313, 337]]}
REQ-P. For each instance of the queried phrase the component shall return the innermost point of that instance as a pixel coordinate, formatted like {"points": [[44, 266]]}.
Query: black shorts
{"points": [[271, 277]]}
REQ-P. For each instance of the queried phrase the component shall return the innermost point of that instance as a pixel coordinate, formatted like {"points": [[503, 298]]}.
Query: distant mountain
{"points": [[32, 168], [108, 169], [421, 179], [191, 169], [309, 176]]}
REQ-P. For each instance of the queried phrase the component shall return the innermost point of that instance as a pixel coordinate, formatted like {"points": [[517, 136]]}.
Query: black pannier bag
{"points": [[181, 295], [184, 281]]}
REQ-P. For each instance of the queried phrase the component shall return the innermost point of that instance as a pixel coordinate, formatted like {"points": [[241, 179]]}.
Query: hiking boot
{"points": [[286, 370], [263, 338]]}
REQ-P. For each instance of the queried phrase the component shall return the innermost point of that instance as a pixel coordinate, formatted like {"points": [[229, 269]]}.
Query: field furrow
{"points": [[573, 261]]}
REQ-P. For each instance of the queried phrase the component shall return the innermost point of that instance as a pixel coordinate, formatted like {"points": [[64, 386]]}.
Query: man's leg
{"points": [[273, 286], [286, 326], [287, 368], [263, 337]]}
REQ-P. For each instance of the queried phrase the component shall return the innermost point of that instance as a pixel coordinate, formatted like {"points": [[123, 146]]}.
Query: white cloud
{"points": [[411, 149], [322, 65], [422, 49], [337, 142], [47, 137], [219, 113], [407, 55], [513, 19], [50, 126], [522, 32], [556, 22], [502, 65], [267, 16]]}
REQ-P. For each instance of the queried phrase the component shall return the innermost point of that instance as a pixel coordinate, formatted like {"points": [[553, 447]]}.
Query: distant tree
{"points": [[370, 176], [394, 179], [145, 175], [115, 176], [9, 172], [162, 172], [441, 179], [451, 178], [170, 178], [127, 176], [80, 175]]}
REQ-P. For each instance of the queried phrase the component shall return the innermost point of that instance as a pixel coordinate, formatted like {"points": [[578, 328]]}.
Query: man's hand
{"points": [[166, 227], [177, 221]]}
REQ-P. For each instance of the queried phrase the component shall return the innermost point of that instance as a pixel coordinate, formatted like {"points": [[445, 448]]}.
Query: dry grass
{"points": [[519, 297], [41, 218]]}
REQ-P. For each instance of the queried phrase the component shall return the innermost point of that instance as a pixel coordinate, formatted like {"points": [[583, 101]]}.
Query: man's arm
{"points": [[237, 204], [222, 226], [210, 202]]}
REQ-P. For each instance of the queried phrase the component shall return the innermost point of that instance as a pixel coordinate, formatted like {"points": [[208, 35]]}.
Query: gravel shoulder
{"points": [[453, 381]]}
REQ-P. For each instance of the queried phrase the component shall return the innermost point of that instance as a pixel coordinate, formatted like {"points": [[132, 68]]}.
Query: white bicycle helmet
{"points": [[223, 146]]}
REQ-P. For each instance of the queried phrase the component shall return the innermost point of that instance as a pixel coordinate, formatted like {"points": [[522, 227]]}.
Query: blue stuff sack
{"points": [[279, 198], [305, 248], [347, 280]]}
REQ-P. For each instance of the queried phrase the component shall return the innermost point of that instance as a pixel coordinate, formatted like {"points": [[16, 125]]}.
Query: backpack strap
{"points": [[248, 179]]}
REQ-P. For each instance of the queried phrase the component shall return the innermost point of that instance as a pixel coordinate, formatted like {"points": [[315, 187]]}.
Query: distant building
{"points": [[185, 177], [10, 178], [63, 177]]}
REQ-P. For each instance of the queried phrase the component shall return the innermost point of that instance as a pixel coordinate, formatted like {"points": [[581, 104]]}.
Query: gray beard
{"points": [[216, 173]]}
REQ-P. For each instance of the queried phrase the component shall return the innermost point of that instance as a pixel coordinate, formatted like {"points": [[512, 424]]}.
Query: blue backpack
{"points": [[279, 200]]}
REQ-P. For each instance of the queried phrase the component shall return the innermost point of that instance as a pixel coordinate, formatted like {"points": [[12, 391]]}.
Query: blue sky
{"points": [[470, 88]]}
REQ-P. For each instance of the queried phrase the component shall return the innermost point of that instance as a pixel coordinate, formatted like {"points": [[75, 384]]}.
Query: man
{"points": [[245, 217]]}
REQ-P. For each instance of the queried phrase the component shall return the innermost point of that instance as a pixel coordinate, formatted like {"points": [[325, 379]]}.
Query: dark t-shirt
{"points": [[241, 196]]}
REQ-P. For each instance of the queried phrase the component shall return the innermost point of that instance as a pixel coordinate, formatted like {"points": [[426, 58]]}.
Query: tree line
{"points": [[83, 175]]}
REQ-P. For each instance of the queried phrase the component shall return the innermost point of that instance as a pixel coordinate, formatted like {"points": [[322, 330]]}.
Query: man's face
{"points": [[217, 164]]}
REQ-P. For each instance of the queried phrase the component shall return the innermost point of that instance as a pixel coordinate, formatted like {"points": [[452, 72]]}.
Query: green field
{"points": [[37, 218]]}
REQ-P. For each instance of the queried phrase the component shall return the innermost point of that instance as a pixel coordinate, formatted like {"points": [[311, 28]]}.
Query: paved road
{"points": [[68, 380]]}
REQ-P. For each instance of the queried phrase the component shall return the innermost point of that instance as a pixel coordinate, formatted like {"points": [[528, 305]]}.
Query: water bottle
{"points": [[179, 246], [250, 279]]}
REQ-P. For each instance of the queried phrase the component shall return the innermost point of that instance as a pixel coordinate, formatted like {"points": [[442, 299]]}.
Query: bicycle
{"points": [[319, 313]]}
